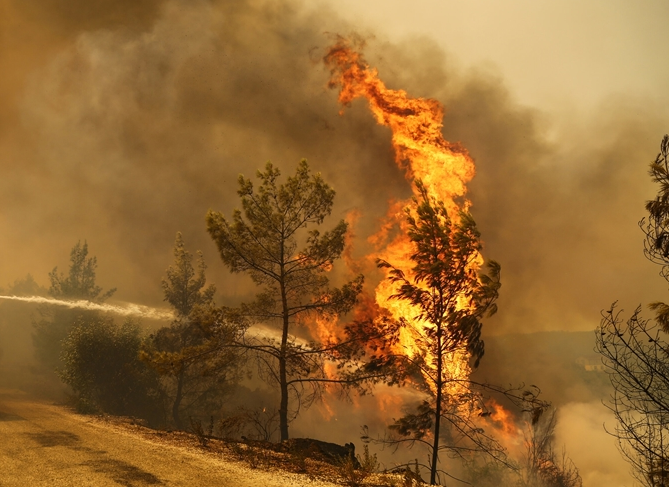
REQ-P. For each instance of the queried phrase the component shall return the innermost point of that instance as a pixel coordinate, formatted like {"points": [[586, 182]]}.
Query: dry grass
{"points": [[262, 455]]}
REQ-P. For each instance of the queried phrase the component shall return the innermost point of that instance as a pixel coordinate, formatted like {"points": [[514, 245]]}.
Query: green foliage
{"points": [[263, 242], [79, 283], [51, 329], [102, 366], [193, 355], [183, 286], [274, 242], [197, 365], [55, 323]]}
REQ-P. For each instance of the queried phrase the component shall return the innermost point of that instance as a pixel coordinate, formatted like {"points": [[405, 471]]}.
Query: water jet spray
{"points": [[129, 309]]}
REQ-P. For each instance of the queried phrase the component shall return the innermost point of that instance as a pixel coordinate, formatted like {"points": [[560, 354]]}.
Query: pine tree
{"points": [[55, 323], [190, 355], [269, 241]]}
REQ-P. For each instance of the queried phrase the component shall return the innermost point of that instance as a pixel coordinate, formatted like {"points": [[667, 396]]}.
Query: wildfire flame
{"points": [[445, 169], [420, 149], [503, 420], [423, 153]]}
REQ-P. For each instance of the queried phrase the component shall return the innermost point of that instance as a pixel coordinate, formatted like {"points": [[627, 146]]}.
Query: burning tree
{"points": [[636, 353], [434, 286], [264, 242], [448, 298]]}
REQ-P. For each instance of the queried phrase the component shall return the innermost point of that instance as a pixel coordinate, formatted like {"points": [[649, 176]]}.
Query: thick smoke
{"points": [[138, 133], [125, 122], [580, 431], [144, 116]]}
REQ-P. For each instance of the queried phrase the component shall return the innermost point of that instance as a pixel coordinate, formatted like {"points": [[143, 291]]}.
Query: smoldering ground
{"points": [[126, 121]]}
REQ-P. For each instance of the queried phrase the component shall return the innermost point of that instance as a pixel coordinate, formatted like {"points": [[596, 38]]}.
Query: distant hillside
{"points": [[562, 364]]}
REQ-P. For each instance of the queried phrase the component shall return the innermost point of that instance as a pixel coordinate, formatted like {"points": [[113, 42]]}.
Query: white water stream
{"points": [[129, 309]]}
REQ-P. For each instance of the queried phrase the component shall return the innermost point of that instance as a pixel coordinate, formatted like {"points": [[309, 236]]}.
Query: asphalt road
{"points": [[47, 445]]}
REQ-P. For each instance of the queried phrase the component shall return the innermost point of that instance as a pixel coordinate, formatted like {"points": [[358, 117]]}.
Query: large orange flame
{"points": [[416, 123], [423, 153]]}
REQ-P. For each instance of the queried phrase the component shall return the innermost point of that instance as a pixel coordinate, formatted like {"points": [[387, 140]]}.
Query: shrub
{"points": [[354, 473], [260, 424], [101, 364]]}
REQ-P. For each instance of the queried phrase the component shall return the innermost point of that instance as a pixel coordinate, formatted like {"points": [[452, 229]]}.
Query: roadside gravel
{"points": [[48, 445]]}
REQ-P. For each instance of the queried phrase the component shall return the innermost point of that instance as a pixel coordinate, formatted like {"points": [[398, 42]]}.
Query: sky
{"points": [[548, 53], [124, 122]]}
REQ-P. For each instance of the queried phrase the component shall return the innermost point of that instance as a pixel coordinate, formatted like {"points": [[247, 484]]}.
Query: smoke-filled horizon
{"points": [[126, 124]]}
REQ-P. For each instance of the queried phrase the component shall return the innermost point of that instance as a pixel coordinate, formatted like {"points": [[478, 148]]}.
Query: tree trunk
{"points": [[437, 413], [177, 399], [283, 407], [283, 379]]}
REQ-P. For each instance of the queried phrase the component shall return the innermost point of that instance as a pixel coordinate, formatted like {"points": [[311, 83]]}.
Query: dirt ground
{"points": [[43, 444]]}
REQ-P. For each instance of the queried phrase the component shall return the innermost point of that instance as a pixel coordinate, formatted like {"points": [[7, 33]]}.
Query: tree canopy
{"points": [[191, 356], [275, 241], [80, 281], [635, 353], [55, 323]]}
